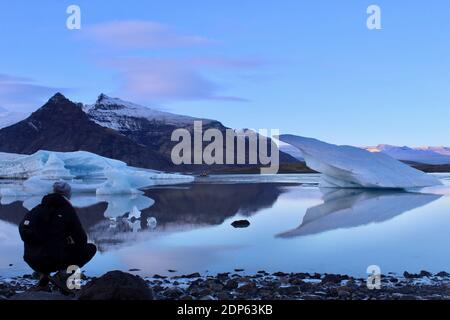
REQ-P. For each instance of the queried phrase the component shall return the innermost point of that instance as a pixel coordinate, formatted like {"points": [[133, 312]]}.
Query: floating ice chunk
{"points": [[55, 168], [118, 205], [152, 223], [112, 223], [351, 167], [120, 182], [85, 171], [56, 165], [135, 226], [134, 214], [18, 166]]}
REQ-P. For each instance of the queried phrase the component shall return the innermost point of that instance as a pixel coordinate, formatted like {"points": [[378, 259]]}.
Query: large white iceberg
{"points": [[351, 167], [85, 171]]}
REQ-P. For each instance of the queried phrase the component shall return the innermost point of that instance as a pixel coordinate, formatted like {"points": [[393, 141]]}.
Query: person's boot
{"points": [[59, 280], [43, 284]]}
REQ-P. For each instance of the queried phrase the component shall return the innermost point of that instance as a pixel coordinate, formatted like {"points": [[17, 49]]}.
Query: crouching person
{"points": [[54, 238]]}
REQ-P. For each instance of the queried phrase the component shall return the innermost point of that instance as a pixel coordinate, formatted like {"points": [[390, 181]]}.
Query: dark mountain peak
{"points": [[58, 108], [102, 97], [57, 98], [105, 102], [62, 125]]}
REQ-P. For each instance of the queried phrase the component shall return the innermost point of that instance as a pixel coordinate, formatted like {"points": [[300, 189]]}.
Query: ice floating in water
{"points": [[85, 171], [134, 214], [351, 167], [152, 223], [80, 164]]}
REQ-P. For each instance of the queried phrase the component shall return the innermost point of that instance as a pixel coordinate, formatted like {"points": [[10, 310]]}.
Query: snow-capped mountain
{"points": [[425, 155], [121, 115], [8, 118], [112, 128], [146, 126], [440, 150], [61, 125]]}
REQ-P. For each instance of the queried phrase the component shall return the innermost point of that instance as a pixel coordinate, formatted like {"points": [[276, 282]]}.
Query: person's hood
{"points": [[54, 200]]}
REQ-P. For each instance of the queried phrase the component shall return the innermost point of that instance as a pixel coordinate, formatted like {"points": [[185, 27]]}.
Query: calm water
{"points": [[295, 227]]}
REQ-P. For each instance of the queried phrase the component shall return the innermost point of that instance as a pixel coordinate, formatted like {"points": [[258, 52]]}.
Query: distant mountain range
{"points": [[435, 156], [425, 155], [112, 128], [140, 136]]}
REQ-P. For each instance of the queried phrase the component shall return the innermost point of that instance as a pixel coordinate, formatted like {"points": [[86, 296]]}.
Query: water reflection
{"points": [[349, 208], [118, 205], [173, 208]]}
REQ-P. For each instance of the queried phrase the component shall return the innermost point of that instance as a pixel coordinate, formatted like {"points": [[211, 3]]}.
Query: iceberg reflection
{"points": [[118, 205], [349, 208]]}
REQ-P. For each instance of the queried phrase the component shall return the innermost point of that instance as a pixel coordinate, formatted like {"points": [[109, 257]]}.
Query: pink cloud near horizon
{"points": [[154, 77], [157, 80], [136, 34]]}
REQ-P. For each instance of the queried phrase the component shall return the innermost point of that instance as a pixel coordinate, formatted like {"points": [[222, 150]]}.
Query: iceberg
{"points": [[352, 167], [86, 172]]}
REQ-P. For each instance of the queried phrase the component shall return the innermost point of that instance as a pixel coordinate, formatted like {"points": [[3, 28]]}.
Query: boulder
{"points": [[241, 224], [116, 285]]}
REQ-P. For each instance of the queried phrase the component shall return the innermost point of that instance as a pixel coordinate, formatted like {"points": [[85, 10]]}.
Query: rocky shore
{"points": [[237, 286]]}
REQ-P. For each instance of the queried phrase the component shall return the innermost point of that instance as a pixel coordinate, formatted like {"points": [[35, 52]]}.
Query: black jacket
{"points": [[62, 233], [71, 223]]}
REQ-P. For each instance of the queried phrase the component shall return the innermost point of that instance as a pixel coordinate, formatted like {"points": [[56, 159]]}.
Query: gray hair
{"points": [[63, 188]]}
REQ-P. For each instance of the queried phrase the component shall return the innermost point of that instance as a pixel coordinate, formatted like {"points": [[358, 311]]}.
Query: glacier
{"points": [[352, 167], [85, 171]]}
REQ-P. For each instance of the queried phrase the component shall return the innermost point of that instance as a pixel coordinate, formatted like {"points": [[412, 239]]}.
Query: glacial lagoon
{"points": [[294, 227]]}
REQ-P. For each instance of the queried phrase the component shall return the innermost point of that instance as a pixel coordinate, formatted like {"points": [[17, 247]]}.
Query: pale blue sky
{"points": [[306, 67]]}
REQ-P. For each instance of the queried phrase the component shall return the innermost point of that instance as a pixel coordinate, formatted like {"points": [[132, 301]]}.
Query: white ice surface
{"points": [[85, 171], [351, 167]]}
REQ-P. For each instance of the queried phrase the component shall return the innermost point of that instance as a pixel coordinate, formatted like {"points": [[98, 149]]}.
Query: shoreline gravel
{"points": [[276, 286]]}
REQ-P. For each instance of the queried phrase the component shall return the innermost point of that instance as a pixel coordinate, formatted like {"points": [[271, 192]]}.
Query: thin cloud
{"points": [[140, 35], [23, 94], [161, 80]]}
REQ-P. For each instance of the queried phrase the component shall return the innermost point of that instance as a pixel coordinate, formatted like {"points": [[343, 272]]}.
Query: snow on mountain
{"points": [[440, 150], [121, 115], [352, 167], [8, 118], [426, 155]]}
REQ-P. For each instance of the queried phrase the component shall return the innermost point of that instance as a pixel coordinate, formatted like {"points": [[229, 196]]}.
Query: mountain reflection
{"points": [[175, 208], [348, 208]]}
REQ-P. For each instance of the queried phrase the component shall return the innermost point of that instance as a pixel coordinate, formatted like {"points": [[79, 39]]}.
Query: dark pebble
{"points": [[241, 224]]}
